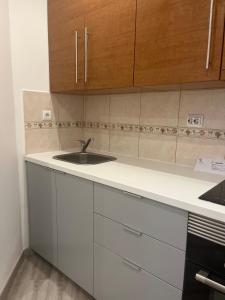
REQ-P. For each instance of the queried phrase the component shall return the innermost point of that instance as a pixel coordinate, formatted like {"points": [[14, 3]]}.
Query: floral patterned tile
{"points": [[125, 127], [53, 125], [96, 125], [158, 130], [201, 133], [135, 128]]}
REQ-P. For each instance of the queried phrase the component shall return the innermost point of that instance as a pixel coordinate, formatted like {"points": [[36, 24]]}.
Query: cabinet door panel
{"points": [[172, 40], [75, 229], [92, 5], [116, 280], [111, 36], [64, 19], [42, 212]]}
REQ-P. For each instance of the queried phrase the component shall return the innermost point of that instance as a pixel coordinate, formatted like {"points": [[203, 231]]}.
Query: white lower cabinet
{"points": [[136, 250], [117, 279]]}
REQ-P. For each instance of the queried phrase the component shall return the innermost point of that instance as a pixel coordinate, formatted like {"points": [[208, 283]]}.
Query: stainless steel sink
{"points": [[85, 158]]}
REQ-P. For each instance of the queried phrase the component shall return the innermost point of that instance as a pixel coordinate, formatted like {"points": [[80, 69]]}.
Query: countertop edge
{"points": [[199, 208]]}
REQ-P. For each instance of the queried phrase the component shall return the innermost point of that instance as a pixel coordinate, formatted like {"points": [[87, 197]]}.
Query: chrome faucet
{"points": [[84, 144]]}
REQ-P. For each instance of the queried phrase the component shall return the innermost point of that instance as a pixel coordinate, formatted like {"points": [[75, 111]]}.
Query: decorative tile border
{"points": [[96, 125], [158, 130], [53, 125], [202, 133], [125, 127], [76, 124], [147, 129]]}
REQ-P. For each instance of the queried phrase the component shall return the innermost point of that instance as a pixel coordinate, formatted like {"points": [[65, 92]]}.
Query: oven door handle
{"points": [[202, 277]]}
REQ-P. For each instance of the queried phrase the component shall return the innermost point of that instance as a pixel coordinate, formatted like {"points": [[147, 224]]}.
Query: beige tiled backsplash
{"points": [[65, 128], [145, 125]]}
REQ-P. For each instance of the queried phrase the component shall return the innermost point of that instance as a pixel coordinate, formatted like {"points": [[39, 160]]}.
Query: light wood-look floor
{"points": [[37, 280]]}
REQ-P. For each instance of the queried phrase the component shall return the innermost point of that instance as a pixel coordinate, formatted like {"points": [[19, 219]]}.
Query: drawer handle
{"points": [[132, 265], [203, 278], [132, 231], [132, 195], [60, 172], [47, 168]]}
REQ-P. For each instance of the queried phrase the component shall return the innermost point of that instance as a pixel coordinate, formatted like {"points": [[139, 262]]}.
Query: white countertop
{"points": [[169, 184]]}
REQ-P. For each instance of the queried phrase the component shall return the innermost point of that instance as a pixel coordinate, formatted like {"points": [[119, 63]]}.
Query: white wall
{"points": [[10, 222], [29, 41]]}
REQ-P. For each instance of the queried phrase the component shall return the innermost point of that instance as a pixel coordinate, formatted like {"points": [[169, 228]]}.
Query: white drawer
{"points": [[158, 258], [117, 279], [160, 221]]}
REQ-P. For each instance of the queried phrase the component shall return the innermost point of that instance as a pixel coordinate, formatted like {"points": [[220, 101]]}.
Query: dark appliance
{"points": [[216, 194], [205, 260]]}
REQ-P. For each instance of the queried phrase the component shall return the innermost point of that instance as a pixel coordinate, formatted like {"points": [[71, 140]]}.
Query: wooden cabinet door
{"points": [[75, 229], [66, 45], [172, 40], [111, 34], [42, 212]]}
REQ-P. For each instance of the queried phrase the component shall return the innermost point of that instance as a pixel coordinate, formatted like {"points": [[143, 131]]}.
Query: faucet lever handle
{"points": [[81, 141], [87, 143]]}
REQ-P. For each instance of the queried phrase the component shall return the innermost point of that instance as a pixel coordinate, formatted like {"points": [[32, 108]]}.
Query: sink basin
{"points": [[86, 158]]}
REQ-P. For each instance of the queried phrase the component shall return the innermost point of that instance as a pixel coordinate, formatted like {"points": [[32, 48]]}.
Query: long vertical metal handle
{"points": [[86, 55], [76, 56], [209, 34]]}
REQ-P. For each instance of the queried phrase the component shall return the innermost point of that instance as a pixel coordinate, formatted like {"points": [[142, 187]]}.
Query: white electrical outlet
{"points": [[195, 120], [46, 115]]}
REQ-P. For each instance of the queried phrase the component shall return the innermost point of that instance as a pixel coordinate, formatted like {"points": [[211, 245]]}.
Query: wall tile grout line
{"points": [[109, 130], [178, 122], [139, 136]]}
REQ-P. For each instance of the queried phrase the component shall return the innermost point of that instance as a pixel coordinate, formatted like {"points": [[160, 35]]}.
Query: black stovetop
{"points": [[216, 194]]}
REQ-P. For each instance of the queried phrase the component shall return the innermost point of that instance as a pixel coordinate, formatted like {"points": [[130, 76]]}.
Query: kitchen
{"points": [[115, 145]]}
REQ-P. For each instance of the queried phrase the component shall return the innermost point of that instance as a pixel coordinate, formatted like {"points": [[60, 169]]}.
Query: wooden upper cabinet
{"points": [[109, 59], [172, 40], [133, 43], [111, 36], [66, 45]]}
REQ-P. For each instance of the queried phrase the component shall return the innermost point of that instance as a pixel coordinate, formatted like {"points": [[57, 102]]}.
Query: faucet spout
{"points": [[84, 144]]}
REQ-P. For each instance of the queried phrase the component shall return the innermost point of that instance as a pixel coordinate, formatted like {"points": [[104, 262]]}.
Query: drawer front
{"points": [[117, 279], [160, 221], [161, 260]]}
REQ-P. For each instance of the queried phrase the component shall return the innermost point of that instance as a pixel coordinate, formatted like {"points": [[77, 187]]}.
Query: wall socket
{"points": [[195, 120], [46, 115]]}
